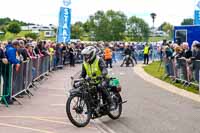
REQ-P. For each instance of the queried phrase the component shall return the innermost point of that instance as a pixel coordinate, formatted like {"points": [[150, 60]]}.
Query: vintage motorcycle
{"points": [[127, 60], [86, 101]]}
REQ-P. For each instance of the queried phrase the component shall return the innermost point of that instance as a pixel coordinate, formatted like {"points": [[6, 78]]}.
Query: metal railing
{"points": [[185, 71], [14, 83]]}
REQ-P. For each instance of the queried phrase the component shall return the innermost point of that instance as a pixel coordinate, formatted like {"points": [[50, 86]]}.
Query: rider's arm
{"points": [[102, 67], [83, 73]]}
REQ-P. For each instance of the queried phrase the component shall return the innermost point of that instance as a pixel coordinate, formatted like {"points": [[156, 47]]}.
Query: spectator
{"points": [[146, 53], [196, 49], [31, 52], [108, 56], [58, 54], [64, 54], [186, 53], [2, 55], [11, 53], [23, 53], [71, 55]]}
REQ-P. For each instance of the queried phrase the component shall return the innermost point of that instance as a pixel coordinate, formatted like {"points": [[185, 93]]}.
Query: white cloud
{"points": [[46, 11]]}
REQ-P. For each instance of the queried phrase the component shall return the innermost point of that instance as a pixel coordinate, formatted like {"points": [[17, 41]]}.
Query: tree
{"points": [[107, 26], [77, 30], [166, 27], [14, 28], [138, 29], [4, 21], [187, 21], [3, 28], [34, 36], [117, 24]]}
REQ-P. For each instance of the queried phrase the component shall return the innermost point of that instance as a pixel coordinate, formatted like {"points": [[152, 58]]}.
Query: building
{"points": [[49, 31]]}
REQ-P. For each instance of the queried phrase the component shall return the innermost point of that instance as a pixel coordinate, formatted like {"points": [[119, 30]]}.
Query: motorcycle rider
{"points": [[94, 67], [127, 52]]}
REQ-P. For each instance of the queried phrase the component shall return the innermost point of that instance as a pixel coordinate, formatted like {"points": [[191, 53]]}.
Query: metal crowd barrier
{"points": [[22, 79], [5, 82], [14, 83], [181, 70]]}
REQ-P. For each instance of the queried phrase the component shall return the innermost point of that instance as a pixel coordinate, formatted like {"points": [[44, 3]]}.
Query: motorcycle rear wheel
{"points": [[118, 109]]}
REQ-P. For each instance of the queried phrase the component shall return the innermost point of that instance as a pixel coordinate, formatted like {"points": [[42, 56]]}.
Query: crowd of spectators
{"points": [[172, 52], [20, 50]]}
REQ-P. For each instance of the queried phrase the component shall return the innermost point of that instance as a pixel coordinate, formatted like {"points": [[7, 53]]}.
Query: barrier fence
{"points": [[5, 80], [14, 83], [183, 70]]}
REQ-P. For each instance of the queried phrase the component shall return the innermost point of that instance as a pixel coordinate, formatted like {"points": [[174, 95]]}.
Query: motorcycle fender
{"points": [[74, 91]]}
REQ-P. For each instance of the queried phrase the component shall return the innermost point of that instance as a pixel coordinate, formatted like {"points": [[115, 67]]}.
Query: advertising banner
{"points": [[64, 28]]}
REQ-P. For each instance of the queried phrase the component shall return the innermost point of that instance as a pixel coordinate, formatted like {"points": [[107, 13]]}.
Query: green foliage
{"points": [[6, 21], [168, 28], [138, 29], [110, 26], [34, 36], [14, 28], [187, 21], [106, 26], [77, 30]]}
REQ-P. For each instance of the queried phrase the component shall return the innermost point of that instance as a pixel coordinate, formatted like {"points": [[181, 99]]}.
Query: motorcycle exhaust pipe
{"points": [[123, 102]]}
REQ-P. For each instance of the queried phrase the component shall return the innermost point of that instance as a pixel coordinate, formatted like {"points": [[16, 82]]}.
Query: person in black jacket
{"points": [[23, 51], [72, 55]]}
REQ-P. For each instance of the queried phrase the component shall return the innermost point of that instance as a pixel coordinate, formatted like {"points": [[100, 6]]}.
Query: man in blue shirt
{"points": [[11, 53]]}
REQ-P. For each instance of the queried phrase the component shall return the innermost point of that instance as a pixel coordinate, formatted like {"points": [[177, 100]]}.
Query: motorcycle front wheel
{"points": [[78, 111], [116, 113]]}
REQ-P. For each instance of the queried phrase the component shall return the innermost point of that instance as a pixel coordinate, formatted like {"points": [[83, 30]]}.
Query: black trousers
{"points": [[72, 60], [146, 59], [109, 62]]}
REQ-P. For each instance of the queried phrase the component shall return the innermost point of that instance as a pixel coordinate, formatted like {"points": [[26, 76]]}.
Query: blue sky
{"points": [[46, 11]]}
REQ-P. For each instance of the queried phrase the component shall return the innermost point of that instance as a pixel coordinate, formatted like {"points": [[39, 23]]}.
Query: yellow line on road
{"points": [[46, 119], [57, 118], [26, 128], [38, 118]]}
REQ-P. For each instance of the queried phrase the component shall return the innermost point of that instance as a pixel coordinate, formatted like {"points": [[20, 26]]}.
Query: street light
{"points": [[153, 16]]}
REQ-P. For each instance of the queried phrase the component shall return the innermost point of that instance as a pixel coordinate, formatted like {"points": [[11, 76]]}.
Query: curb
{"points": [[166, 86]]}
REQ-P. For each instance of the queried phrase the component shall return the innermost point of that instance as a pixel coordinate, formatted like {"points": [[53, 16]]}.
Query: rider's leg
{"points": [[131, 61], [134, 59], [124, 59]]}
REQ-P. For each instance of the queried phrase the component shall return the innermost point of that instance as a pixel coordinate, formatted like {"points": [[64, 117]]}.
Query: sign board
{"points": [[64, 28], [66, 3], [197, 13], [197, 17]]}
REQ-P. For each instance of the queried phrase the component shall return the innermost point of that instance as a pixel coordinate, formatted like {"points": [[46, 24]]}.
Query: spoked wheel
{"points": [[116, 113], [78, 111]]}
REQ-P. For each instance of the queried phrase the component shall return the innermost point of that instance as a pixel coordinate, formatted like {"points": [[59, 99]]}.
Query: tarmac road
{"points": [[151, 109]]}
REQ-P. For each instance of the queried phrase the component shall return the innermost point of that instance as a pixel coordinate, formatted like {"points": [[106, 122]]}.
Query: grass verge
{"points": [[156, 71]]}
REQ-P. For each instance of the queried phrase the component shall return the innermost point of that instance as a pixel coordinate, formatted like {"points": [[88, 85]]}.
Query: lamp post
{"points": [[153, 16]]}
